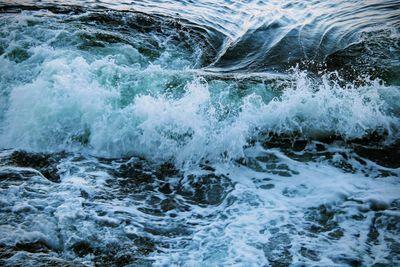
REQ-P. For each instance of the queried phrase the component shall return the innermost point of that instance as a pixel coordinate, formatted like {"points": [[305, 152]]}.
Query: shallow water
{"points": [[199, 133]]}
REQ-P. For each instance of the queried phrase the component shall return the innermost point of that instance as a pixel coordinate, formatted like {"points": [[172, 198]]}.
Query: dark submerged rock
{"points": [[45, 164], [208, 189]]}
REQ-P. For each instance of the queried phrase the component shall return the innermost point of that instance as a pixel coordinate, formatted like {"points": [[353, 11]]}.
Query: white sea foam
{"points": [[318, 209], [115, 101], [71, 99]]}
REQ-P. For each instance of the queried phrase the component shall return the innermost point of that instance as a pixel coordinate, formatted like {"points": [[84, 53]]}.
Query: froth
{"points": [[115, 101], [68, 106]]}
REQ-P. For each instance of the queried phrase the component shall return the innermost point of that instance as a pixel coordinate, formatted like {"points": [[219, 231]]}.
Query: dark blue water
{"points": [[199, 133]]}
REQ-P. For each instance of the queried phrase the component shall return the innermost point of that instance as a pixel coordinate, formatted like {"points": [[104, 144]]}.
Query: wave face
{"points": [[207, 133]]}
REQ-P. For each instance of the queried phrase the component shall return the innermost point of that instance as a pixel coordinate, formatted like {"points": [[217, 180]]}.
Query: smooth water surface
{"points": [[199, 133]]}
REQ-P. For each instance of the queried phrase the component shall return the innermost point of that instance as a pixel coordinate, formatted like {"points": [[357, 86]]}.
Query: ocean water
{"points": [[200, 133]]}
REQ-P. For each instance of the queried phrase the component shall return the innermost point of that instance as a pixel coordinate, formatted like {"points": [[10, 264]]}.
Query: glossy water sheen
{"points": [[199, 133]]}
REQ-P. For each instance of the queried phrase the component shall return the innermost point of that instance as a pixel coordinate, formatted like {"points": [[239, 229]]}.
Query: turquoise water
{"points": [[230, 133]]}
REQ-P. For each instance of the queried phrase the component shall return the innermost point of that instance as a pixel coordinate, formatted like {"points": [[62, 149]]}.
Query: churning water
{"points": [[200, 133]]}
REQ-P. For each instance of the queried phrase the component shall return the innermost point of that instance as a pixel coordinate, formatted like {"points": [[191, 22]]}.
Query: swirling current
{"points": [[200, 133]]}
